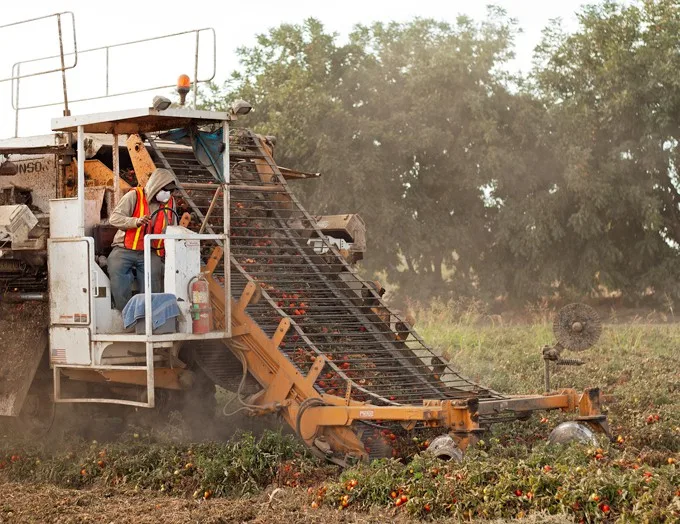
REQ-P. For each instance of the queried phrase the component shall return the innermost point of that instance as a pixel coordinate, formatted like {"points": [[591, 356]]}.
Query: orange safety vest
{"points": [[134, 238]]}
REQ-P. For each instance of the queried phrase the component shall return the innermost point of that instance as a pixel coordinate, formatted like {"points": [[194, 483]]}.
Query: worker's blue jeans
{"points": [[121, 262]]}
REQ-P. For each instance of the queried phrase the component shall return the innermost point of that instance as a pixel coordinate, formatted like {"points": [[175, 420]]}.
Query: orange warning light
{"points": [[183, 87], [183, 82]]}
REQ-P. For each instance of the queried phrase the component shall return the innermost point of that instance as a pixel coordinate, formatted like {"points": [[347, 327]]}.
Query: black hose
{"points": [[164, 209]]}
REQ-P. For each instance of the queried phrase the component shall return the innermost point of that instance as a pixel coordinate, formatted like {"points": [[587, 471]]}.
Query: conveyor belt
{"points": [[332, 310]]}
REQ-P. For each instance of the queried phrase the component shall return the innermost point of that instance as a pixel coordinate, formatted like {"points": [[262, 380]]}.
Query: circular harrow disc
{"points": [[572, 431], [577, 327]]}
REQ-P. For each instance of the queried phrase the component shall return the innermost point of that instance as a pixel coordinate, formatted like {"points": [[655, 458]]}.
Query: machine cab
{"points": [[87, 334]]}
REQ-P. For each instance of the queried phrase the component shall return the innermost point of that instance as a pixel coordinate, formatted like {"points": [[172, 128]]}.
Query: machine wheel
{"points": [[444, 447], [572, 431]]}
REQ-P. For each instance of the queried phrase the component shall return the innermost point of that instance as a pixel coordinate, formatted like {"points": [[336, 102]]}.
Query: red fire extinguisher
{"points": [[201, 311]]}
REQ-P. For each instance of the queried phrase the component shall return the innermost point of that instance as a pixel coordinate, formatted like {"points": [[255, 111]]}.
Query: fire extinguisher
{"points": [[201, 311]]}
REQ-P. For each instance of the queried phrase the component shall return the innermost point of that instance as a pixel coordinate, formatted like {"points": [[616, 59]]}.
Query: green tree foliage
{"points": [[409, 124], [612, 96], [430, 106], [473, 181]]}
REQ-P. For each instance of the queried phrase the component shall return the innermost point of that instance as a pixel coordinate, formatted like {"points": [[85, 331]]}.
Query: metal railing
{"points": [[148, 338], [16, 68], [107, 50], [63, 67]]}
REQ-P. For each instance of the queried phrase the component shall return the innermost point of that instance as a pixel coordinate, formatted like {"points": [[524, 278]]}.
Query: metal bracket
{"points": [[590, 413], [315, 370], [247, 296], [213, 261], [281, 331], [348, 393]]}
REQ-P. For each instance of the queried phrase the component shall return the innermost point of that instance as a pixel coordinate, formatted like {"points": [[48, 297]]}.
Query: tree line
{"points": [[475, 180]]}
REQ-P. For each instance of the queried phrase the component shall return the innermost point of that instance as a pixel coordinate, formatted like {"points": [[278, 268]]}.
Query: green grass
{"points": [[634, 479], [636, 365], [242, 466], [491, 483]]}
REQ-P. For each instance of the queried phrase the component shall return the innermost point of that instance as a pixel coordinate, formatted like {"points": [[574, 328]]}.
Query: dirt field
{"points": [[23, 336], [48, 504], [44, 503]]}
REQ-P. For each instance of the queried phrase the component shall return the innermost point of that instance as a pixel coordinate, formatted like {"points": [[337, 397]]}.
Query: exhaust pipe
{"points": [[445, 448]]}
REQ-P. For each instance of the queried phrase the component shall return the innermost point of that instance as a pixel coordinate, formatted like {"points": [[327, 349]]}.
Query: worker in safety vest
{"points": [[140, 211]]}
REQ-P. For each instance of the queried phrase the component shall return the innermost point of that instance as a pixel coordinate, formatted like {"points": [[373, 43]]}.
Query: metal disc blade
{"points": [[572, 431], [577, 327]]}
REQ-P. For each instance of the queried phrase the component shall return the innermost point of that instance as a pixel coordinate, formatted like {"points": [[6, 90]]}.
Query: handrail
{"points": [[61, 55], [107, 48], [16, 68], [148, 310]]}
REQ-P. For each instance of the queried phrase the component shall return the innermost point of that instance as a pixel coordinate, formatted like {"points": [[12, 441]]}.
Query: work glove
{"points": [[142, 221]]}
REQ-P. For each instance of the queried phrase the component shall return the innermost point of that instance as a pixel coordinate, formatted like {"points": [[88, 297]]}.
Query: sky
{"points": [[158, 63]]}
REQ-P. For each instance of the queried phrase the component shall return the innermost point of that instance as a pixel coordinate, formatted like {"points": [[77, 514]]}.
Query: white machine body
{"points": [[182, 264], [85, 329]]}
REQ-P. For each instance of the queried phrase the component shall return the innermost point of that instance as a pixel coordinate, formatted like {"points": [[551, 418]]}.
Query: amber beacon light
{"points": [[183, 88]]}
